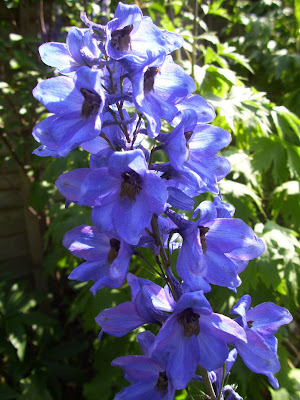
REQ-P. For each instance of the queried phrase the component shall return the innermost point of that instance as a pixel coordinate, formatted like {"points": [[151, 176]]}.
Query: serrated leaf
{"points": [[239, 189], [270, 152], [293, 153]]}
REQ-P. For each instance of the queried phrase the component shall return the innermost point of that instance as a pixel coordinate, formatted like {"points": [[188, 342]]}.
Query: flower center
{"points": [[149, 79], [162, 382], [249, 324], [91, 103], [131, 185], [190, 322], [113, 251], [188, 135], [203, 231], [120, 38]]}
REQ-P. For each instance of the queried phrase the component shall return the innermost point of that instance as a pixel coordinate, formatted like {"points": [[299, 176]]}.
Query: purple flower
{"points": [[77, 104], [260, 324], [194, 147], [214, 249], [125, 195], [157, 87], [107, 258], [81, 49], [148, 305], [194, 335], [149, 377], [131, 36]]}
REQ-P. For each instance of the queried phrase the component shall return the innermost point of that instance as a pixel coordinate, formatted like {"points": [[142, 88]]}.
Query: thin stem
{"points": [[116, 119], [195, 34], [136, 131], [189, 393], [165, 260], [207, 383], [137, 253], [102, 134], [158, 240], [42, 20], [223, 381]]}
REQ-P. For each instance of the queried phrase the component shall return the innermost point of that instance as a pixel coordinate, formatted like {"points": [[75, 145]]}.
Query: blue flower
{"points": [[194, 335], [193, 146], [131, 36], [149, 304], [125, 195], [81, 49], [107, 258], [157, 87], [214, 250], [260, 324], [77, 104], [148, 377]]}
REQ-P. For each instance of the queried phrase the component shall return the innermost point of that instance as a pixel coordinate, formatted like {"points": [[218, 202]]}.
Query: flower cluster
{"points": [[118, 91]]}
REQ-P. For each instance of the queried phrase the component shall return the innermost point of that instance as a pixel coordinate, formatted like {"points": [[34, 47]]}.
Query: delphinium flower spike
{"points": [[119, 87]]}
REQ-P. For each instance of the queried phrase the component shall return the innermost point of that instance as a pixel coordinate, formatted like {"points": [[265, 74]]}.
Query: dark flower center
{"points": [[203, 231], [190, 322], [188, 135], [249, 324], [162, 382], [131, 185], [91, 103], [120, 38], [113, 251], [149, 79]]}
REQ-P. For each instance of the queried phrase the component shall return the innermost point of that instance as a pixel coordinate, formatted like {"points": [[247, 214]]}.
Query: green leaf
{"points": [[239, 189], [7, 393], [287, 124], [293, 153], [17, 335], [270, 152]]}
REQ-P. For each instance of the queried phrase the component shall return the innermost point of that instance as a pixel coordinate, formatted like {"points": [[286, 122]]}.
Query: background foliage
{"points": [[244, 57]]}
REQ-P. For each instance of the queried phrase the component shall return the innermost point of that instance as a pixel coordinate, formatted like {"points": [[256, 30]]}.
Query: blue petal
{"points": [[124, 161], [257, 355], [120, 320], [194, 300], [86, 242], [59, 96], [222, 270], [69, 184], [268, 317], [139, 368], [222, 327], [57, 55], [208, 140], [156, 192], [90, 271], [180, 200], [205, 112], [241, 308], [146, 341], [181, 354], [131, 218], [234, 236], [102, 217], [99, 188], [213, 351], [142, 391]]}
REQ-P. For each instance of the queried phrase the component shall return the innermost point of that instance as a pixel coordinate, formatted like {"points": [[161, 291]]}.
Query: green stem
{"points": [[207, 383], [223, 381], [195, 34]]}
